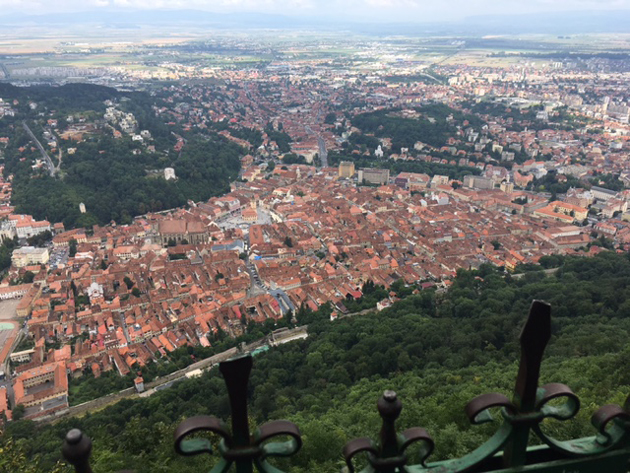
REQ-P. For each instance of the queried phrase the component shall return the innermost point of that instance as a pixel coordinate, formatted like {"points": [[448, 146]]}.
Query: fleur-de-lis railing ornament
{"points": [[388, 454], [238, 448], [530, 406]]}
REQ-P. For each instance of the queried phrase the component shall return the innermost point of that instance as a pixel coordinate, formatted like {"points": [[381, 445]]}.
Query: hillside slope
{"points": [[438, 351]]}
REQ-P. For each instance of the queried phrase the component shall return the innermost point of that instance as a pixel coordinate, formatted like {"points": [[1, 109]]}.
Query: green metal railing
{"points": [[608, 451]]}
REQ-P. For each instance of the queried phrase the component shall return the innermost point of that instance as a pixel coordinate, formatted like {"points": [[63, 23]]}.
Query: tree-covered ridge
{"points": [[560, 118], [437, 350], [114, 183], [432, 126], [67, 98], [116, 178]]}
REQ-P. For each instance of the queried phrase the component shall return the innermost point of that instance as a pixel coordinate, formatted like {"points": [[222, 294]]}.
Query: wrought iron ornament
{"points": [[238, 447], [529, 407], [506, 451], [388, 456]]}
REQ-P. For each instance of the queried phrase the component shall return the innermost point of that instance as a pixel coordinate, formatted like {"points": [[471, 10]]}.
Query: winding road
{"points": [[49, 163]]}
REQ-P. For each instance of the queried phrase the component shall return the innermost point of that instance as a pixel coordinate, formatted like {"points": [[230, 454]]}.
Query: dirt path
{"points": [[59, 163]]}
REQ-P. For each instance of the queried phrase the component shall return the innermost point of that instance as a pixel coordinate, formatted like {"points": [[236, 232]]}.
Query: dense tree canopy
{"points": [[282, 139], [67, 98], [431, 127], [6, 250], [114, 184], [116, 179]]}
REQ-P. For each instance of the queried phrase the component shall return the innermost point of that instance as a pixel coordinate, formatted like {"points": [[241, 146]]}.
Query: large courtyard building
{"points": [[374, 176], [26, 227], [42, 389], [478, 182], [29, 255]]}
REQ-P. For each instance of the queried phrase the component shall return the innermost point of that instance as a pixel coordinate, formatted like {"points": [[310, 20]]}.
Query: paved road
{"points": [[49, 163], [59, 256], [430, 76], [168, 380], [256, 286], [323, 152], [123, 323], [5, 71]]}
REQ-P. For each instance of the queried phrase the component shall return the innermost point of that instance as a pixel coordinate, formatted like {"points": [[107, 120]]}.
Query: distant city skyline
{"points": [[410, 11]]}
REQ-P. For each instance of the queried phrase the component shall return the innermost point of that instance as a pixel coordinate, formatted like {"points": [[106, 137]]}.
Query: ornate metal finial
{"points": [[524, 414], [531, 405], [76, 450], [534, 337], [238, 447], [388, 456]]}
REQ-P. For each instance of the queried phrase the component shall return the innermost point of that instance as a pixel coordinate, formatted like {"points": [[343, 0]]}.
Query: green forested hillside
{"points": [[114, 185], [69, 98], [438, 351], [433, 126], [116, 179]]}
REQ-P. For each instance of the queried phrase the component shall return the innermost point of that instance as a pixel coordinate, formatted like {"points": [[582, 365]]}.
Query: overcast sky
{"points": [[403, 10]]}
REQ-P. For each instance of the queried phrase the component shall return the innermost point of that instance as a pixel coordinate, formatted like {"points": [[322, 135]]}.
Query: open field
{"points": [[7, 309], [149, 50], [76, 43], [8, 328]]}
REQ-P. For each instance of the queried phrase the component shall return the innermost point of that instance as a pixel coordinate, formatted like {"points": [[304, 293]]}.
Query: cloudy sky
{"points": [[403, 10]]}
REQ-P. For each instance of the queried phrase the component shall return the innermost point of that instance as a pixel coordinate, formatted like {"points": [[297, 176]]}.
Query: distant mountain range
{"points": [[120, 18], [573, 22], [550, 23]]}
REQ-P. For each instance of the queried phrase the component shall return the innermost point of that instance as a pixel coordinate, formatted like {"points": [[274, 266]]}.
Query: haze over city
{"points": [[408, 11]]}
